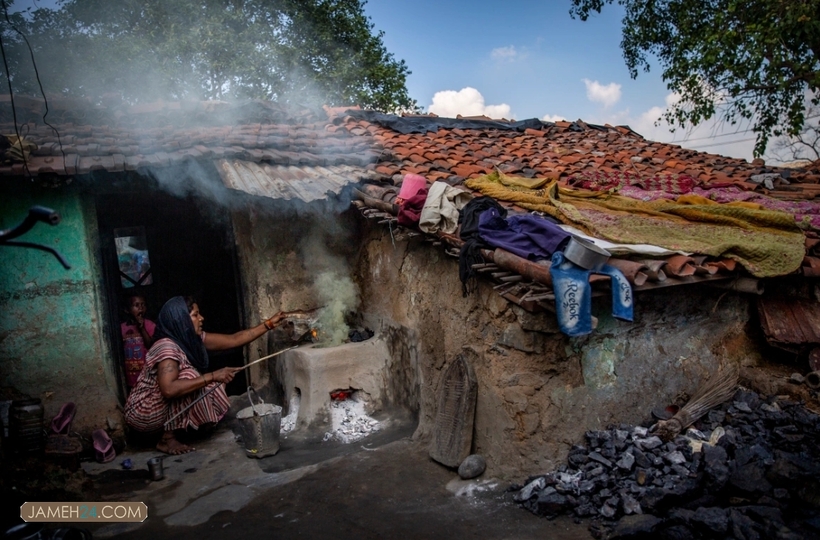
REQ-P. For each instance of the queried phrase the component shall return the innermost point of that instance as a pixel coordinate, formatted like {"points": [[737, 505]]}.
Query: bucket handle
{"points": [[261, 402]]}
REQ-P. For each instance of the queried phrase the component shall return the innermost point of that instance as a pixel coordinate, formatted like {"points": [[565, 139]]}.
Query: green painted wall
{"points": [[51, 342]]}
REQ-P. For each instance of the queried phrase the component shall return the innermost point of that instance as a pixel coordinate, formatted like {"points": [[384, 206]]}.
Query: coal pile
{"points": [[749, 469]]}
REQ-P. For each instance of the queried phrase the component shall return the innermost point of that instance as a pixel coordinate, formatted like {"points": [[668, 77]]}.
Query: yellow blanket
{"points": [[767, 243]]}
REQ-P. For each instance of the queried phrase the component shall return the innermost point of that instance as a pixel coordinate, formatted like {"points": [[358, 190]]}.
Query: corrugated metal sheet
{"points": [[308, 183], [790, 321]]}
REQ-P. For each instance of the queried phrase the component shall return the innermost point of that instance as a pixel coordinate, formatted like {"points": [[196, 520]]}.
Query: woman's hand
{"points": [[224, 375], [271, 323]]}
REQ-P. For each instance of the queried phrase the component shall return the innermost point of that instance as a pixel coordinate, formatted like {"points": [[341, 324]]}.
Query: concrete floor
{"points": [[384, 486]]}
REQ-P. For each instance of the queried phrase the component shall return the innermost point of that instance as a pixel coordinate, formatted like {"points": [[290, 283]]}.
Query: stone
{"points": [[473, 465], [715, 467], [635, 526], [750, 479], [713, 520], [551, 504], [639, 432], [674, 458], [595, 456], [649, 443], [608, 511], [531, 488], [742, 406], [675, 532], [641, 460], [742, 527], [796, 378], [630, 505], [626, 462]]}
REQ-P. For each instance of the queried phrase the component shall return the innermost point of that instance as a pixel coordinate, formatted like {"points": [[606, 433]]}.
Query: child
{"points": [[137, 336]]}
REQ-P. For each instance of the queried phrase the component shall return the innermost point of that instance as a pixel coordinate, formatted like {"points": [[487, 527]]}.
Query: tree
{"points": [[305, 51], [739, 60]]}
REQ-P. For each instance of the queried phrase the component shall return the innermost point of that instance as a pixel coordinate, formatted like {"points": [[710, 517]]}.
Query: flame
{"points": [[314, 333]]}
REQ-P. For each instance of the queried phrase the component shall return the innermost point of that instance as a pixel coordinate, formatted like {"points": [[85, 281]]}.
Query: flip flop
{"points": [[61, 424], [103, 446]]}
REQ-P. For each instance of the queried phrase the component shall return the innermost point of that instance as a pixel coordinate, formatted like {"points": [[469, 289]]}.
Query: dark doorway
{"points": [[190, 246]]}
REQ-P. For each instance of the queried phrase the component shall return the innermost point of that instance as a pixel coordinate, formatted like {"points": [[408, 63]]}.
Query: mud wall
{"points": [[282, 247], [538, 390], [51, 343]]}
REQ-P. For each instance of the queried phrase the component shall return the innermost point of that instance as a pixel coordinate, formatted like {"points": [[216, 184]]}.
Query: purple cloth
{"points": [[528, 236]]}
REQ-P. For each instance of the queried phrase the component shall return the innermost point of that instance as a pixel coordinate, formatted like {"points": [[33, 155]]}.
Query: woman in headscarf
{"points": [[176, 373]]}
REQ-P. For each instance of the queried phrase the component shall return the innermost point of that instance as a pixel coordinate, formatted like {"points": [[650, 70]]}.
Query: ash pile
{"points": [[749, 469], [349, 419]]}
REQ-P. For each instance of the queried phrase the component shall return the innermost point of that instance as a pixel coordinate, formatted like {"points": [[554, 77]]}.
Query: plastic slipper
{"points": [[103, 446], [61, 424]]}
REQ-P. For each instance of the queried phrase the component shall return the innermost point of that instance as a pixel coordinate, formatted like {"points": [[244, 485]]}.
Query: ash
{"points": [[288, 423], [350, 422], [749, 469]]}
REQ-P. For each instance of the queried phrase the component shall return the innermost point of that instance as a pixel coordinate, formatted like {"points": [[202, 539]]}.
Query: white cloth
{"points": [[624, 249], [440, 212]]}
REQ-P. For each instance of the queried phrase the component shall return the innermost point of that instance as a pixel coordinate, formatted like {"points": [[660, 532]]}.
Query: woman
{"points": [[175, 374]]}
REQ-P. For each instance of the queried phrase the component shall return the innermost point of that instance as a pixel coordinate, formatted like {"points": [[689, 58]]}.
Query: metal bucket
{"points": [[259, 427]]}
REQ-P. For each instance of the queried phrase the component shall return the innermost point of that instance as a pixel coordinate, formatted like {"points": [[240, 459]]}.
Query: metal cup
{"points": [[155, 468]]}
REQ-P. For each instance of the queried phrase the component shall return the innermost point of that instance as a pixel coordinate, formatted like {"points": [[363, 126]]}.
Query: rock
{"points": [[641, 460], [595, 456], [751, 479], [626, 462], [639, 432], [715, 467], [649, 443], [608, 511], [551, 504], [630, 505], [531, 488], [742, 406], [674, 458], [675, 532], [742, 527], [711, 520], [473, 465], [796, 378], [636, 525]]}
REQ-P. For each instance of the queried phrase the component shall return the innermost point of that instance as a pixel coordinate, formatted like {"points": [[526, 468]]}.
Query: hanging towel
{"points": [[410, 211]]}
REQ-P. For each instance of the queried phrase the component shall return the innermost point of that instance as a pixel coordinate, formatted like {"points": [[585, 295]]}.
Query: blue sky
{"points": [[529, 59]]}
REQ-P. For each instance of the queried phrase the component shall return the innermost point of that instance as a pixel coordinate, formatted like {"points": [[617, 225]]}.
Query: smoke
{"points": [[334, 288]]}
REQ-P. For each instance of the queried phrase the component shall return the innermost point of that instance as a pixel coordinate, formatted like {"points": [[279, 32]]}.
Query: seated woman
{"points": [[175, 374]]}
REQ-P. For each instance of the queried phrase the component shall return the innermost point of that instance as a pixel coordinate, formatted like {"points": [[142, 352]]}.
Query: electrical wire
{"points": [[11, 99], [39, 83], [725, 142]]}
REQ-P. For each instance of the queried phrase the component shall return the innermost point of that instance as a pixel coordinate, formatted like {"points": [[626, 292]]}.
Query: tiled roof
{"points": [[562, 149], [163, 134]]}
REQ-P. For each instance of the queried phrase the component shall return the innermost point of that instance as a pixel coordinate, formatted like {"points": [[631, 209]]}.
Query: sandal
{"points": [[103, 446], [61, 424]]}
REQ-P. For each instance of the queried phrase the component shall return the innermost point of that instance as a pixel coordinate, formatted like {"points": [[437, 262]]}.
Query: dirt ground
{"points": [[395, 491]]}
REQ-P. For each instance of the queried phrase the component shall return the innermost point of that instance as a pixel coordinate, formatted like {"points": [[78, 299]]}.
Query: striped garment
{"points": [[146, 410]]}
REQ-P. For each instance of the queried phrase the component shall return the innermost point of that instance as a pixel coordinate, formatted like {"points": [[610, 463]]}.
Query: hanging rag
{"points": [[527, 235], [470, 253], [410, 211], [573, 295], [440, 212]]}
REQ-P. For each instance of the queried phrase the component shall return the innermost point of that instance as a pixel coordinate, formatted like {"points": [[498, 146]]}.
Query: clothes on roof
{"points": [[766, 243], [470, 253], [528, 236], [410, 210], [597, 180], [440, 212]]}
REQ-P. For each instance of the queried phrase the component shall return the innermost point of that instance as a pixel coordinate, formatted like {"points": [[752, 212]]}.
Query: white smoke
{"points": [[339, 296]]}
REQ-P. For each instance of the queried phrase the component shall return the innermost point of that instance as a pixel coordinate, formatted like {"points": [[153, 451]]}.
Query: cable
{"points": [[727, 142], [714, 136], [11, 98], [40, 84]]}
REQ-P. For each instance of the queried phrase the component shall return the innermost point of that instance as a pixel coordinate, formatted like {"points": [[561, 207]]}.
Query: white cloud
{"points": [[553, 118], [466, 102], [508, 53], [608, 94]]}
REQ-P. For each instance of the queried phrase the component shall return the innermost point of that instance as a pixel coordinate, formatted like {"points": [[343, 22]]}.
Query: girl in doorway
{"points": [[137, 336]]}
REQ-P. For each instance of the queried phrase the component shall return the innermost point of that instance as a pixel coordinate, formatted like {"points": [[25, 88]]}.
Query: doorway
{"points": [[187, 249]]}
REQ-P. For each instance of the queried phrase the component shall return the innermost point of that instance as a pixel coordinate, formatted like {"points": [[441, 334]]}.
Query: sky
{"points": [[520, 59]]}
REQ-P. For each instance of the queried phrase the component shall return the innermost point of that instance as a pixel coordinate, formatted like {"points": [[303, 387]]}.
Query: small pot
{"points": [[155, 468], [585, 254]]}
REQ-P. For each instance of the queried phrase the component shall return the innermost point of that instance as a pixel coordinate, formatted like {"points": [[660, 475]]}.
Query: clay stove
{"points": [[310, 374]]}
